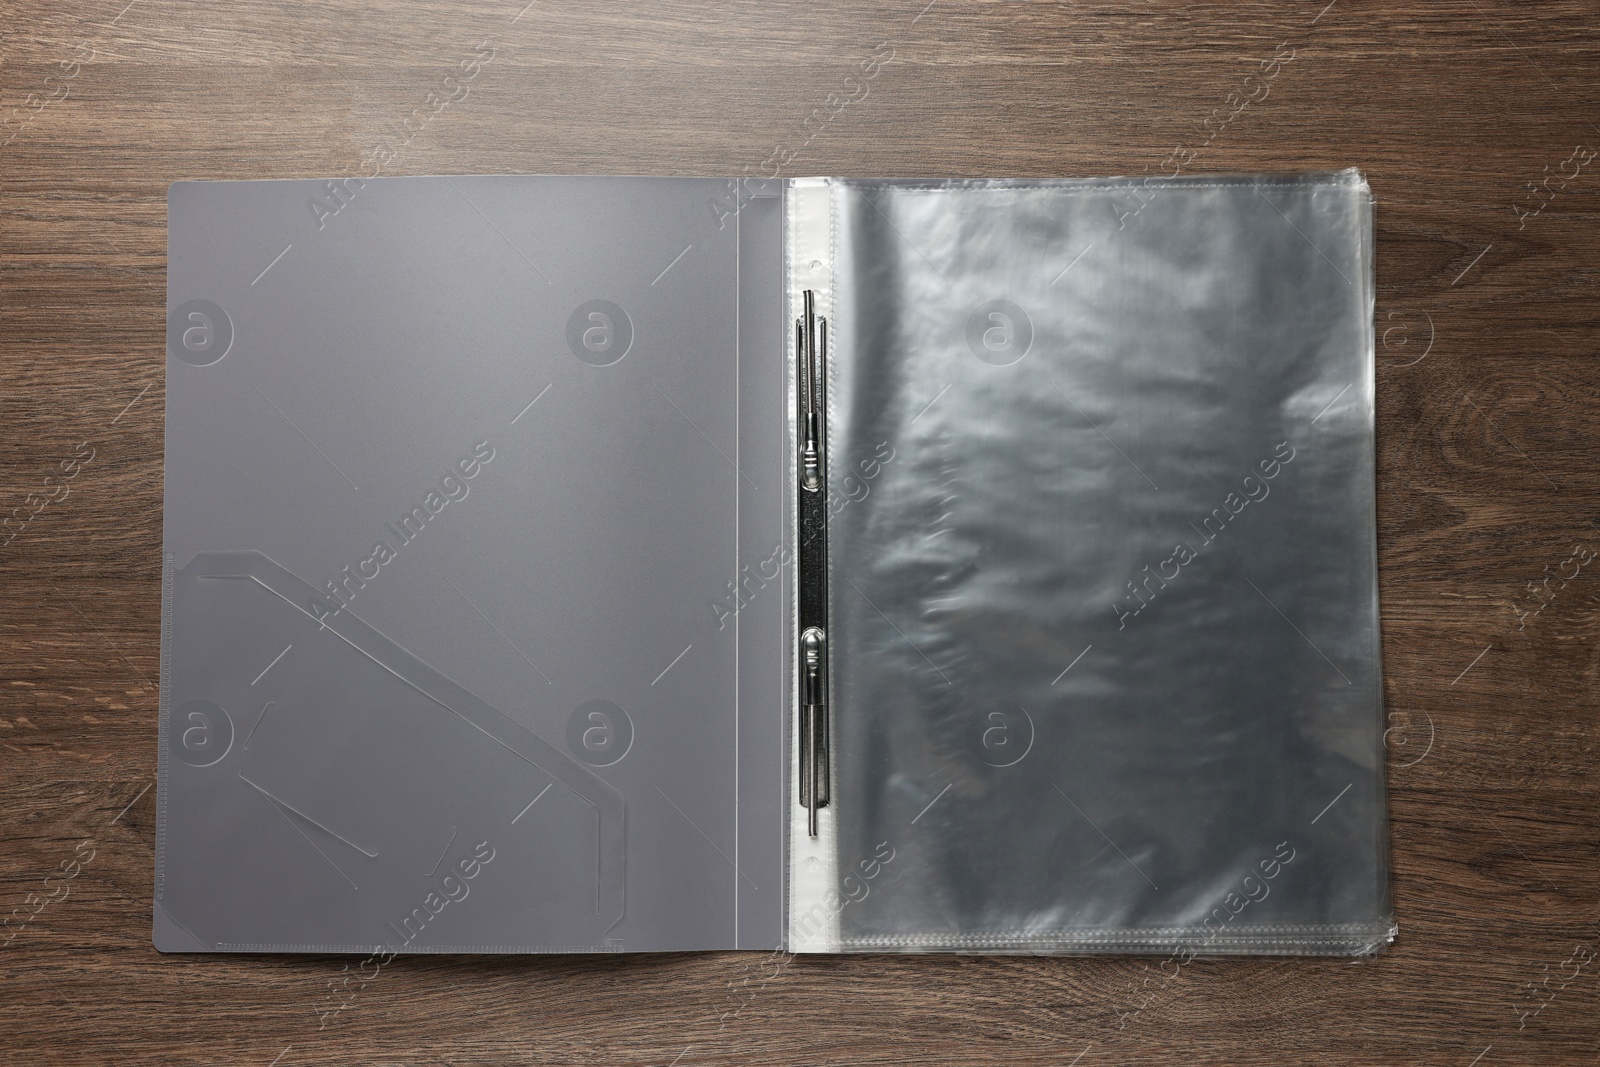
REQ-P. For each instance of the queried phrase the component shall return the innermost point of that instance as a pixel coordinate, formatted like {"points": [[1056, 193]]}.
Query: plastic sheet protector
{"points": [[571, 564]]}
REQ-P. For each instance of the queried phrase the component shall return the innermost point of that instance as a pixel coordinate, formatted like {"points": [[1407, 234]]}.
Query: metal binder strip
{"points": [[811, 341], [813, 894]]}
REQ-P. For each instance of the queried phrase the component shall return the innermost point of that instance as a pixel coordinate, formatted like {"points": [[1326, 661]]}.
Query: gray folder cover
{"points": [[455, 483], [479, 591]]}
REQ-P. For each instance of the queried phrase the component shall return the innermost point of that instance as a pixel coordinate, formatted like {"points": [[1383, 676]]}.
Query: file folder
{"points": [[587, 564]]}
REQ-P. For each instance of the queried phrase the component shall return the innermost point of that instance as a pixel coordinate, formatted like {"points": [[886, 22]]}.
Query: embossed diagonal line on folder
{"points": [[285, 804]]}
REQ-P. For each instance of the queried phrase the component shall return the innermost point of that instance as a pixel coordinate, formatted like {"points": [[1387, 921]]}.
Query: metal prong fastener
{"points": [[812, 351], [811, 566], [813, 722]]}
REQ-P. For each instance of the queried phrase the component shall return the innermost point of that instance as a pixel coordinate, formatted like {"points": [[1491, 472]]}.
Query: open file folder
{"points": [[615, 564]]}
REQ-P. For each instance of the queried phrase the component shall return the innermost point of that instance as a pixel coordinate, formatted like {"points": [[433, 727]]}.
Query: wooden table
{"points": [[1475, 121]]}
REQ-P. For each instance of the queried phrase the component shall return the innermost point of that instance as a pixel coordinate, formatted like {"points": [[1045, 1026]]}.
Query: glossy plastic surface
{"points": [[1105, 623], [457, 495]]}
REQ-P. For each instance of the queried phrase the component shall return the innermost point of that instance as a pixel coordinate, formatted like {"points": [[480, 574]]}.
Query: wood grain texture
{"points": [[1487, 479]]}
